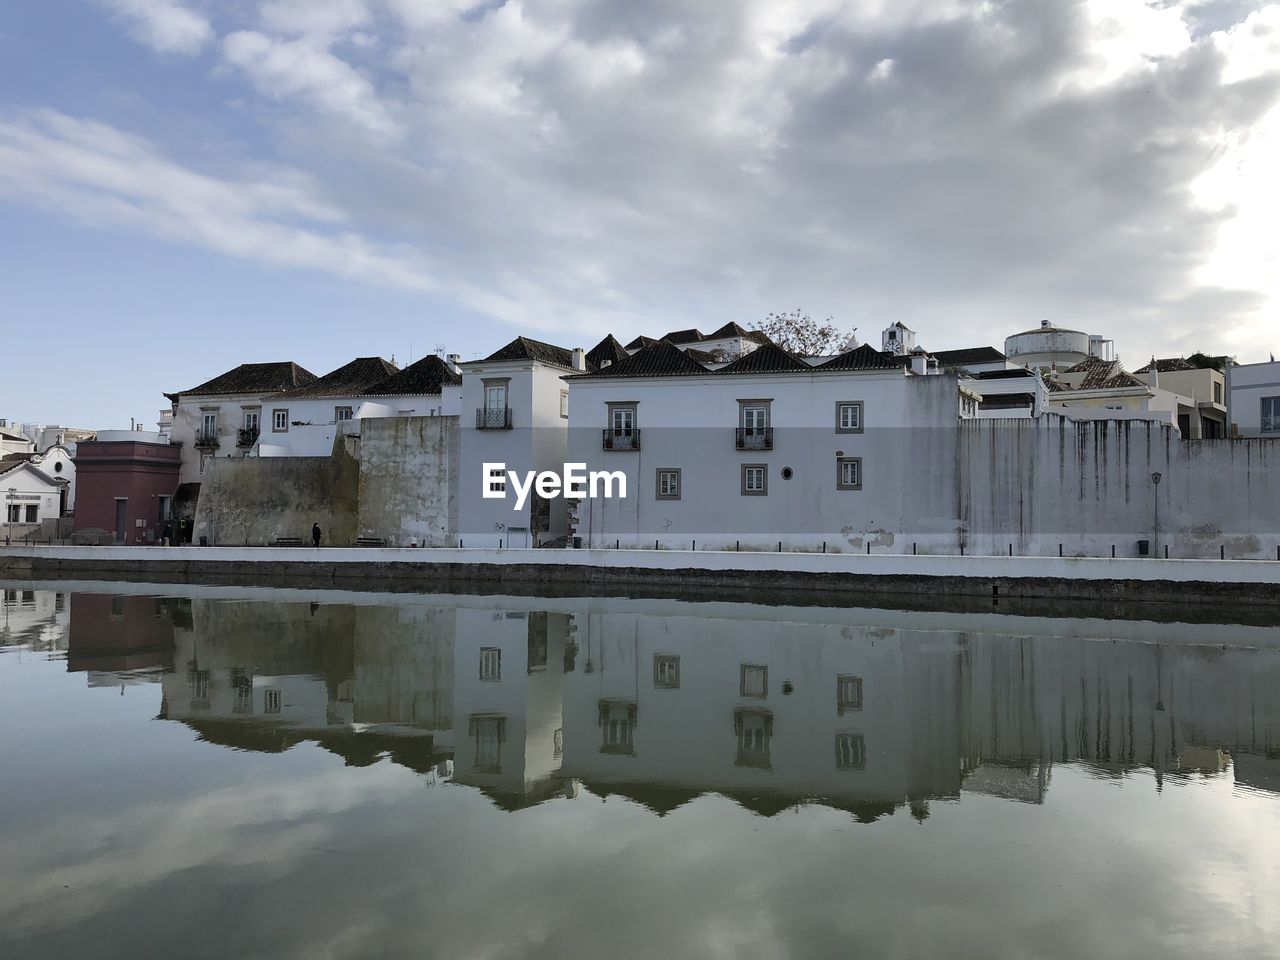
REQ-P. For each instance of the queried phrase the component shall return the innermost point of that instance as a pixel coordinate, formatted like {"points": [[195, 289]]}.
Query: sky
{"points": [[186, 185]]}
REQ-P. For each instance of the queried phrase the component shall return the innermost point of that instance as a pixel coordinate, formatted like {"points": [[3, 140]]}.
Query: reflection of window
{"points": [[848, 693], [488, 732], [199, 682], [617, 722], [557, 744], [242, 686], [754, 729], [851, 751], [753, 681], [490, 664], [271, 701], [117, 608], [666, 672]]}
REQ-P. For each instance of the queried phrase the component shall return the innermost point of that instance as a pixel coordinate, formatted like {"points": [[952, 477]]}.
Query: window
{"points": [[666, 672], [341, 413], [271, 701], [848, 473], [755, 479], [164, 509], [668, 485], [1271, 414], [753, 415], [15, 513], [622, 419], [210, 424], [617, 725], [488, 733], [849, 416], [753, 681], [251, 418], [848, 693], [33, 513], [490, 664], [564, 404], [279, 421], [1217, 393], [851, 751], [495, 394], [537, 642], [754, 729]]}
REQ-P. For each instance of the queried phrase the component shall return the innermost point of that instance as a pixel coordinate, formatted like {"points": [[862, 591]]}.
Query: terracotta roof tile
{"points": [[865, 357], [525, 348], [425, 377], [663, 359], [252, 378], [349, 380], [769, 358]]}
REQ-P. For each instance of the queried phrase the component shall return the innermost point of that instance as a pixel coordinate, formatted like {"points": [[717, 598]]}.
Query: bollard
{"points": [[1059, 549], [1011, 549], [962, 549], [1113, 551], [655, 544], [1222, 551], [695, 546], [617, 544], [499, 543], [868, 548], [737, 545], [824, 546], [779, 546], [1166, 551]]}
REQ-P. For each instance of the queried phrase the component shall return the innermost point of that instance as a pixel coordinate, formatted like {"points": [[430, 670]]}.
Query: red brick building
{"points": [[125, 482]]}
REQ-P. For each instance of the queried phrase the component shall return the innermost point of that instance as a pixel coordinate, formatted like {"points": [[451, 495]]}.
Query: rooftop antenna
{"points": [[439, 349]]}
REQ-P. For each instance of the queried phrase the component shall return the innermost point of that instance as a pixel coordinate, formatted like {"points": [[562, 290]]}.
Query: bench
{"points": [[370, 542], [288, 541]]}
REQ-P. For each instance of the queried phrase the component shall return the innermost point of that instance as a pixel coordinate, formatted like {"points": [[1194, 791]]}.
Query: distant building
{"points": [[303, 421], [1204, 417], [13, 440], [31, 497], [1049, 346], [1253, 399]]}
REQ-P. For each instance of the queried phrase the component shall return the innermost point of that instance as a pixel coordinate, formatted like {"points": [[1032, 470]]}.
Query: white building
{"points": [[303, 421], [521, 419], [766, 450], [720, 346], [1197, 395], [222, 417], [30, 497], [430, 387], [1253, 399], [13, 440]]}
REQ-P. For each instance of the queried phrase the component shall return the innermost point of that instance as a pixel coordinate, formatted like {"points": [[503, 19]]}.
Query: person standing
{"points": [[315, 534], [168, 534]]}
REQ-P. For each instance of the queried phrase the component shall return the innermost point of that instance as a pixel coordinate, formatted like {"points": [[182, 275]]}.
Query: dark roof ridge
{"points": [[662, 359], [766, 358], [425, 377], [864, 357]]}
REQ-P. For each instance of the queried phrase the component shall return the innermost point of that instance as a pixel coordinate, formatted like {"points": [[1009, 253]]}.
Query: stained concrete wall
{"points": [[1087, 486], [253, 501], [408, 489]]}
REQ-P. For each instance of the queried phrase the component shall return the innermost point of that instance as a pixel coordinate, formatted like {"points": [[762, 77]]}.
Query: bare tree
{"points": [[800, 333]]}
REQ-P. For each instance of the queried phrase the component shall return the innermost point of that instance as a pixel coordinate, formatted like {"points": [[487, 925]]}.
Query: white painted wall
{"points": [[24, 488], [188, 419], [1247, 385]]}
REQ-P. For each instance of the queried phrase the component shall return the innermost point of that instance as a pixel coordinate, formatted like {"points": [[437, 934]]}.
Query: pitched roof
{"points": [[663, 359], [607, 350], [1168, 366], [252, 378], [865, 357], [1102, 374], [524, 348], [730, 329], [423, 377], [10, 466], [640, 342], [349, 380], [768, 358], [1002, 374], [958, 358], [691, 335]]}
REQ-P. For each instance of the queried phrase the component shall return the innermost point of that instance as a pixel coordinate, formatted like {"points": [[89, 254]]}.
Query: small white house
{"points": [[30, 496], [303, 421]]}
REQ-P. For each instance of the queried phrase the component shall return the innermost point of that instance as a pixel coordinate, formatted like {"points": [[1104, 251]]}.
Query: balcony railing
{"points": [[246, 436], [493, 418], [620, 439], [206, 439], [753, 438]]}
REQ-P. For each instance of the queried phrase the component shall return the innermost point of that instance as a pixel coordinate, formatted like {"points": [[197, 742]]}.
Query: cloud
{"points": [[106, 178], [582, 166], [165, 26]]}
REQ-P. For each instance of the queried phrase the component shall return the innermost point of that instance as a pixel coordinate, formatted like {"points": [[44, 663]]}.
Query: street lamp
{"points": [[1155, 540], [13, 496]]}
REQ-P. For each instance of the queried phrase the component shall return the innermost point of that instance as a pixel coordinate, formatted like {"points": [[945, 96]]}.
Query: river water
{"points": [[213, 772]]}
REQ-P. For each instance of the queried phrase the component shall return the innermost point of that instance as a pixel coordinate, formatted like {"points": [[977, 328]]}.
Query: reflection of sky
{"points": [[121, 836]]}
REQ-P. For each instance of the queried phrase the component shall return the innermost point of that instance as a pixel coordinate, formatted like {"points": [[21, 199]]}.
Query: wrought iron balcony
{"points": [[206, 439], [493, 418], [246, 436], [753, 438], [620, 439]]}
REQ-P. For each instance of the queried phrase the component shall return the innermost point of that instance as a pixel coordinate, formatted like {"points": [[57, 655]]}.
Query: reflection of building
{"points": [[38, 619], [661, 702]]}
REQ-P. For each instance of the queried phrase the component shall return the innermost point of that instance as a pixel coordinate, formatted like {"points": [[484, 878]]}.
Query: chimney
{"points": [[579, 359], [919, 362], [452, 361], [1044, 324]]}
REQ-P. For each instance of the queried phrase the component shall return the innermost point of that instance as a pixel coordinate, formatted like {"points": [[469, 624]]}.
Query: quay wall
{"points": [[842, 578]]}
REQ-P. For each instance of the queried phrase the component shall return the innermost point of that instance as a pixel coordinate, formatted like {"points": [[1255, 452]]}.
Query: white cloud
{"points": [[106, 178], [164, 25], [307, 70]]}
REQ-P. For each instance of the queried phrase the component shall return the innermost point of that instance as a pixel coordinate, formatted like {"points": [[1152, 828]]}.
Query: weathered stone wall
{"points": [[255, 500], [1035, 484], [409, 480]]}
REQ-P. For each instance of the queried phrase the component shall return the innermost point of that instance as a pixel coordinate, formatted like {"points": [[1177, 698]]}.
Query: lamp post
{"points": [[1155, 539]]}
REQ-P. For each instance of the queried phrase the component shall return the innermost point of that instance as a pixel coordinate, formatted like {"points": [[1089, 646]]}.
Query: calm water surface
{"points": [[276, 773]]}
